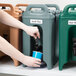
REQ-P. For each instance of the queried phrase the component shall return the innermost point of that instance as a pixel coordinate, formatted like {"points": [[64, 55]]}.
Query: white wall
{"points": [[61, 3]]}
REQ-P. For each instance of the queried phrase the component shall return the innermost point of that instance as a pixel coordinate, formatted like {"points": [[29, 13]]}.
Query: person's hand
{"points": [[33, 31], [31, 62]]}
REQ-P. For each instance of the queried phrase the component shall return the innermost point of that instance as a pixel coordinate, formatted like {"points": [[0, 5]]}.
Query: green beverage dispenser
{"points": [[67, 35], [37, 15]]}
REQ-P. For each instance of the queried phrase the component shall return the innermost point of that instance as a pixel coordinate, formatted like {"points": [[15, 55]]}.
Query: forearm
{"points": [[8, 49], [11, 21]]}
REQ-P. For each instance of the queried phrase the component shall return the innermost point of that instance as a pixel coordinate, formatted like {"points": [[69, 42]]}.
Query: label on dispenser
{"points": [[36, 21], [71, 22]]}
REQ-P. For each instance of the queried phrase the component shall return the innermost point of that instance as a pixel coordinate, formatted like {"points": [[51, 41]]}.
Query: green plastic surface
{"points": [[67, 32]]}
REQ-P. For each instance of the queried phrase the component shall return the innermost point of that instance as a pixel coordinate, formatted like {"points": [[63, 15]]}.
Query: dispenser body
{"points": [[67, 35], [45, 22]]}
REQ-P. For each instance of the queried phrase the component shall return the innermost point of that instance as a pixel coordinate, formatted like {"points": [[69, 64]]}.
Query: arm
{"points": [[8, 49], [11, 21]]}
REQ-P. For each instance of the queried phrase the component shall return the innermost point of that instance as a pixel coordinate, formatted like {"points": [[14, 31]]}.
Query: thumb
{"points": [[35, 36]]}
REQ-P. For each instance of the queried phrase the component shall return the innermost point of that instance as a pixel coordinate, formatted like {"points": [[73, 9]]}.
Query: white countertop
{"points": [[6, 66]]}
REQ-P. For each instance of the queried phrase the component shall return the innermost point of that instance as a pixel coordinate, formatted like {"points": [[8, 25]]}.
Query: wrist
{"points": [[25, 28], [24, 59]]}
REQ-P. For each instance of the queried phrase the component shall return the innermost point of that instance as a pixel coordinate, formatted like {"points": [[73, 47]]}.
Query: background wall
{"points": [[61, 3]]}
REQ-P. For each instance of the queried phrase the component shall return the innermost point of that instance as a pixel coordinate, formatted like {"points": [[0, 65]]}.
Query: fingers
{"points": [[38, 34], [35, 36], [35, 65], [39, 63], [38, 60]]}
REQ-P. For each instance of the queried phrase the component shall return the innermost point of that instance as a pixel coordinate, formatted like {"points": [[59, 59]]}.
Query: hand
{"points": [[31, 62], [33, 31]]}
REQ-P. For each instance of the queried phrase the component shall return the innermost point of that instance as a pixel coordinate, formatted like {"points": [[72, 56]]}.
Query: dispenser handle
{"points": [[18, 5], [7, 5], [53, 5], [42, 6], [66, 9]]}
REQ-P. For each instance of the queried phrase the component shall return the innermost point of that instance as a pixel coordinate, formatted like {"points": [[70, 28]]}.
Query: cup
{"points": [[37, 54]]}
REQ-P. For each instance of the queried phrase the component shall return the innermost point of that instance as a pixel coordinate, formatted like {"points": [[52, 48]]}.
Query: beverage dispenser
{"points": [[67, 35], [37, 15]]}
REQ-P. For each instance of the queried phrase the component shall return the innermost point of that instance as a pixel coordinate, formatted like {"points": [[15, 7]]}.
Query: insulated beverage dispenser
{"points": [[67, 35], [38, 15]]}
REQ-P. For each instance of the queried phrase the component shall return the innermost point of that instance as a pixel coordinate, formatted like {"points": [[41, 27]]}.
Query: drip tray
{"points": [[43, 64]]}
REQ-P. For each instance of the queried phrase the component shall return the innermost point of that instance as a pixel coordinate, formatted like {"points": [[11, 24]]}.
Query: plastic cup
{"points": [[37, 54]]}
